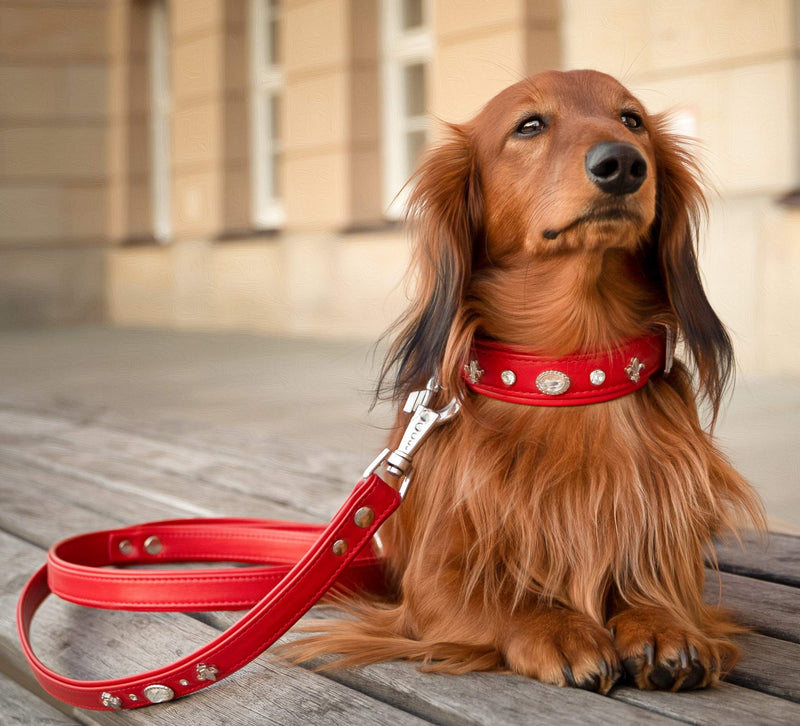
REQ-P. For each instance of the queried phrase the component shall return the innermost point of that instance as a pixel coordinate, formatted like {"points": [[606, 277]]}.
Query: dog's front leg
{"points": [[563, 647]]}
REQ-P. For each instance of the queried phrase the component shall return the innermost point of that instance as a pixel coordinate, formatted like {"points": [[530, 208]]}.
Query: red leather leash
{"points": [[302, 562], [72, 571]]}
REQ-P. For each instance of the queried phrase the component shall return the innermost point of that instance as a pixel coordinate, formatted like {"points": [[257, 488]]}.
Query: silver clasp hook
{"points": [[423, 421]]}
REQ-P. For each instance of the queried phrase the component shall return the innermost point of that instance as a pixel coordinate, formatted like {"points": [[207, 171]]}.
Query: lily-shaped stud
{"points": [[633, 369], [206, 672]]}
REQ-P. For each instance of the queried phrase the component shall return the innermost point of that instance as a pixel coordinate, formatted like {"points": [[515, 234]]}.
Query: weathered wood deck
{"points": [[68, 466]]}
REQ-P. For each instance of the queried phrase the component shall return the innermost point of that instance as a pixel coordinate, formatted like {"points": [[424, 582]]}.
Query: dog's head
{"points": [[558, 164]]}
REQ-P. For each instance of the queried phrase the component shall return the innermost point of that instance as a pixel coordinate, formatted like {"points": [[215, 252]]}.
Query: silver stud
{"points": [[473, 371], [339, 547], [206, 672], [157, 693], [364, 517], [110, 701], [152, 545], [183, 682], [126, 547], [133, 697], [633, 369], [552, 383], [597, 377], [509, 378]]}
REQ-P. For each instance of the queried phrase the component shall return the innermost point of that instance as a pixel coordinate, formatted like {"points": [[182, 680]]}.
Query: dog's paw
{"points": [[658, 652], [566, 649]]}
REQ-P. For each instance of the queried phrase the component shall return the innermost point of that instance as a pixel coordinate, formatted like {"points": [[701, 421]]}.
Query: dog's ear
{"points": [[680, 209], [445, 213]]}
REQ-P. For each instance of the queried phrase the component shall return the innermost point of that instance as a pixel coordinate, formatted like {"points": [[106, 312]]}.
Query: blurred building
{"points": [[233, 163]]}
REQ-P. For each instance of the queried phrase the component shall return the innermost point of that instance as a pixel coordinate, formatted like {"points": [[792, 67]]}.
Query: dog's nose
{"points": [[616, 167]]}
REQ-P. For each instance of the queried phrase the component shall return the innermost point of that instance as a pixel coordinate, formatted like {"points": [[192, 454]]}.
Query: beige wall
{"points": [[54, 160], [75, 170], [320, 275], [731, 65]]}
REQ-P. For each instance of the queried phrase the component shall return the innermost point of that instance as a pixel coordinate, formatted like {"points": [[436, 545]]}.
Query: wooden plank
{"points": [[19, 707], [84, 485], [202, 479], [726, 703], [86, 643], [769, 607], [777, 558], [768, 665], [439, 698]]}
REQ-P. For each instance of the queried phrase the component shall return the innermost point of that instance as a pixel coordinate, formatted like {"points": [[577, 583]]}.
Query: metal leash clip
{"points": [[423, 421]]}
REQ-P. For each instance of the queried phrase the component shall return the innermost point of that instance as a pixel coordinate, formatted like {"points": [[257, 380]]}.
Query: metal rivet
{"points": [[339, 547], [133, 697], [364, 517], [126, 547], [110, 701], [509, 378], [152, 545], [183, 682], [597, 377], [157, 693]]}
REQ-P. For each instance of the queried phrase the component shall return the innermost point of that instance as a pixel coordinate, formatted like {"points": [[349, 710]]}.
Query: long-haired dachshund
{"points": [[557, 526]]}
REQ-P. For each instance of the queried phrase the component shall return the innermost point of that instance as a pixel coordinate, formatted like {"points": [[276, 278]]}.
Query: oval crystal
{"points": [[552, 383], [157, 693]]}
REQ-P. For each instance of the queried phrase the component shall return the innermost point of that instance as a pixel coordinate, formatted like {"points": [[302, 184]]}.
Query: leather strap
{"points": [[513, 374], [279, 593]]}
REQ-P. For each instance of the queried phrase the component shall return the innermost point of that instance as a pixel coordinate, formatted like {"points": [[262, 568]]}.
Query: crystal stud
{"points": [[552, 383], [509, 378], [183, 682], [597, 377]]}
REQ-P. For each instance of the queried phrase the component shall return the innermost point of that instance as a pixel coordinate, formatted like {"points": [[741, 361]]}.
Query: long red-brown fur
{"points": [[563, 543]]}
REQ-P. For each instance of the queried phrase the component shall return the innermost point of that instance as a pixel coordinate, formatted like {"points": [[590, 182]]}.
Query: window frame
{"points": [[401, 48], [266, 81], [160, 99]]}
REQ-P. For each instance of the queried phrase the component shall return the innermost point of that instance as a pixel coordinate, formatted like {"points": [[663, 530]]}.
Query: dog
{"points": [[562, 542]]}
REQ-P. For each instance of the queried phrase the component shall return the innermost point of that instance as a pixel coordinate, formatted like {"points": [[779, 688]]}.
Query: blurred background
{"points": [[231, 165]]}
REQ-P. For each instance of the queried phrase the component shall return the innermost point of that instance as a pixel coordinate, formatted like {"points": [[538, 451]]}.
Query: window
{"points": [[160, 109], [407, 49], [265, 112]]}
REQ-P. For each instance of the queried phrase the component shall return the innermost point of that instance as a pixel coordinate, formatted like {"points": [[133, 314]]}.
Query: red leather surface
{"points": [[305, 567], [494, 358]]}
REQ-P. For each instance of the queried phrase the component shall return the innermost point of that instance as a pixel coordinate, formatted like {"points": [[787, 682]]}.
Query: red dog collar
{"points": [[509, 373]]}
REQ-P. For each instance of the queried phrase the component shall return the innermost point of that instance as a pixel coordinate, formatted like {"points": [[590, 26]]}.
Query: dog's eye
{"points": [[531, 126], [631, 120]]}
